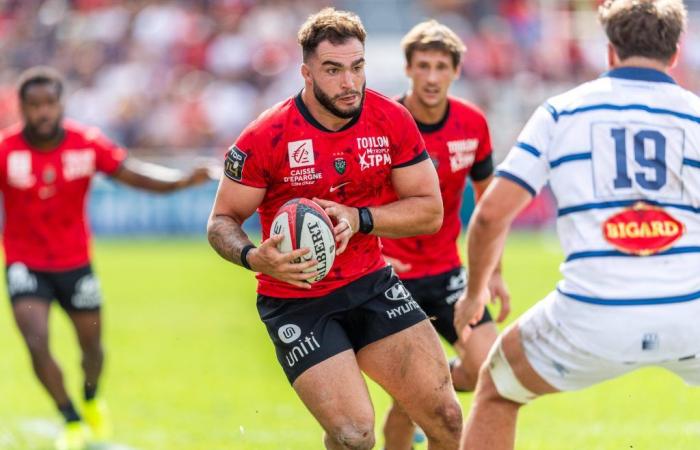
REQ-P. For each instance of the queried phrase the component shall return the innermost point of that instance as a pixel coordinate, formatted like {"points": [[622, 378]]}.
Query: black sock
{"points": [[90, 391], [69, 413]]}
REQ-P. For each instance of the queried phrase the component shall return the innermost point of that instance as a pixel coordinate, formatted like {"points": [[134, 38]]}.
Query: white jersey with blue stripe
{"points": [[622, 157]]}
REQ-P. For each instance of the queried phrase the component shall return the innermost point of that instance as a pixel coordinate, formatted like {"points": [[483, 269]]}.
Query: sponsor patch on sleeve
{"points": [[233, 166]]}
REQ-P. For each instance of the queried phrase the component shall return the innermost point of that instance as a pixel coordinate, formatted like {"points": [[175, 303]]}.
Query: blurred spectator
{"points": [[188, 75], [156, 74]]}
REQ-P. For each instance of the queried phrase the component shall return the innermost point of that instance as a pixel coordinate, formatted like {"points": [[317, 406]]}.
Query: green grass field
{"points": [[190, 366]]}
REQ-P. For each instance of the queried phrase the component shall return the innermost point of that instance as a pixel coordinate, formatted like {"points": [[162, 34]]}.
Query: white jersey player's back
{"points": [[622, 156]]}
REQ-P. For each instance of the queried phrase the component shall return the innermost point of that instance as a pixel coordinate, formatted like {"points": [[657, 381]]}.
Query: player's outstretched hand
{"points": [[468, 311], [202, 172], [347, 221], [398, 265], [499, 290], [287, 267]]}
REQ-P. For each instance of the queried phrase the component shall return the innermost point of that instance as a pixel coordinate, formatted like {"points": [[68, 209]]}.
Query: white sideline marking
{"points": [[109, 446], [6, 439], [50, 429], [40, 427]]}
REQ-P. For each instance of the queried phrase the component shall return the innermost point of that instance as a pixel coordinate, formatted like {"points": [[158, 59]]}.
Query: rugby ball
{"points": [[304, 224]]}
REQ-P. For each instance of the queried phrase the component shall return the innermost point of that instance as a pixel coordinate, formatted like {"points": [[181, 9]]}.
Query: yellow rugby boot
{"points": [[96, 415], [73, 437]]}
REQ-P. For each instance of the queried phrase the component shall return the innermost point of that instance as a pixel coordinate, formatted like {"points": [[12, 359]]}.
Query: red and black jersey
{"points": [[290, 154], [460, 147], [44, 194]]}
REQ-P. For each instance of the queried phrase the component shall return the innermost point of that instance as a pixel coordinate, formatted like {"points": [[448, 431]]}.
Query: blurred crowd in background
{"points": [[183, 76]]}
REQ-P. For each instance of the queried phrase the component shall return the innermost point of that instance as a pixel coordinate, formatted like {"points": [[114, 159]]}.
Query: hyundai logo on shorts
{"points": [[397, 292], [289, 333]]}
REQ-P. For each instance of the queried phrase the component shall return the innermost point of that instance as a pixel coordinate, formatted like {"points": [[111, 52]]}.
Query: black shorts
{"points": [[75, 290], [308, 331], [437, 295]]}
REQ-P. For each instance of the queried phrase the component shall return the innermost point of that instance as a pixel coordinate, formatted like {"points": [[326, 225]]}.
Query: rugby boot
{"points": [[96, 415], [73, 437]]}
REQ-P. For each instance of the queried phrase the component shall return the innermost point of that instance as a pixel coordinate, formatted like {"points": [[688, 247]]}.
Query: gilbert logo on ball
{"points": [[304, 224], [642, 230]]}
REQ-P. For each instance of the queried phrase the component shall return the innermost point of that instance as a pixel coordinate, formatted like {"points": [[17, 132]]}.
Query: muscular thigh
{"points": [[32, 318], [411, 366], [335, 392]]}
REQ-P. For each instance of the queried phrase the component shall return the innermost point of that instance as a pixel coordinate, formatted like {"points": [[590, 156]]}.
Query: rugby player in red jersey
{"points": [[46, 164], [457, 138], [346, 147]]}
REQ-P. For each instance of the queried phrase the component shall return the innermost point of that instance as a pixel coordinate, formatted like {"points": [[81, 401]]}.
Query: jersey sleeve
{"points": [[483, 161], [108, 155], [411, 148], [245, 161], [527, 162], [3, 164]]}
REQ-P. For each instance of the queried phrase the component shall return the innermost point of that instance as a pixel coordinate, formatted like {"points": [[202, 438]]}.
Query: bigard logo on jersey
{"points": [[642, 230], [233, 166]]}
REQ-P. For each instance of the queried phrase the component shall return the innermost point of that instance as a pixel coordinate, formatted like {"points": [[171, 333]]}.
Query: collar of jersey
{"points": [[429, 127], [315, 123], [639, 74]]}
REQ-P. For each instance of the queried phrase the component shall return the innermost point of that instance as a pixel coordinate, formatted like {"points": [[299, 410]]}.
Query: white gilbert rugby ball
{"points": [[304, 224]]}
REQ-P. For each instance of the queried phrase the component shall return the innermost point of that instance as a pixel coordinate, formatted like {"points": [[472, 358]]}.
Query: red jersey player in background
{"points": [[345, 146], [46, 164], [457, 138]]}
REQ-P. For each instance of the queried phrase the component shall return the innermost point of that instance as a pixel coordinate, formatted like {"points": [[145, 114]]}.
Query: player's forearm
{"points": [[227, 237], [485, 242], [479, 190], [158, 184], [410, 216], [151, 177]]}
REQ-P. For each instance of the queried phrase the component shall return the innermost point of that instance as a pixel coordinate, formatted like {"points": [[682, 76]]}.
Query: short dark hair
{"points": [[330, 25], [432, 35], [646, 28], [39, 75]]}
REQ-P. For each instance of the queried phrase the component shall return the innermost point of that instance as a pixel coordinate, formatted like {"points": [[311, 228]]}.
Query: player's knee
{"points": [[93, 350], [448, 422], [354, 436], [397, 409], [465, 386], [462, 379], [37, 344]]}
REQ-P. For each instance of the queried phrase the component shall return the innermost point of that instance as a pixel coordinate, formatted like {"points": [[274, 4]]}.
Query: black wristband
{"points": [[366, 220], [244, 255]]}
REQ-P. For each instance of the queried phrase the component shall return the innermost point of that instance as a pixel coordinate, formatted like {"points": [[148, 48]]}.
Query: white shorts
{"points": [[553, 346]]}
